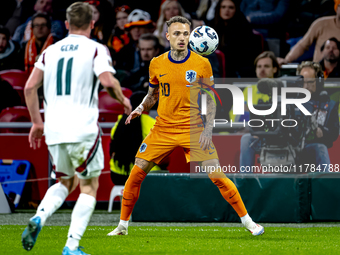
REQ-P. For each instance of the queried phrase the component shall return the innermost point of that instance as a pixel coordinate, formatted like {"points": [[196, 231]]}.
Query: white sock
{"points": [[53, 199], [245, 218], [124, 223], [72, 243], [81, 215]]}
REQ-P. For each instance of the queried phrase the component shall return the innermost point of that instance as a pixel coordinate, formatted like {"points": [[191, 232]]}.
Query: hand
{"points": [[35, 135], [282, 61], [127, 106], [136, 113], [205, 139], [319, 133], [248, 18]]}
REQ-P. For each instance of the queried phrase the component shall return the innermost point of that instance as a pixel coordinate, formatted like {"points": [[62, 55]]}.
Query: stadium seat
{"points": [[20, 91], [221, 61], [108, 115], [258, 40], [117, 190], [15, 77], [16, 114], [108, 103]]}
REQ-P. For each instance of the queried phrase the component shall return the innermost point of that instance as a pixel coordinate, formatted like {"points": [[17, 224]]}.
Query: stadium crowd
{"points": [[294, 31]]}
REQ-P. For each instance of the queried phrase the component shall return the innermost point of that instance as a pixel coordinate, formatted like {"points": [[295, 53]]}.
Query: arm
{"points": [[31, 96], [112, 87], [149, 100], [303, 44], [206, 136]]}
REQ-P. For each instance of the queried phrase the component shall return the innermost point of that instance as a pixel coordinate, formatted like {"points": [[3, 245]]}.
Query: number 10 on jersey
{"points": [[165, 89]]}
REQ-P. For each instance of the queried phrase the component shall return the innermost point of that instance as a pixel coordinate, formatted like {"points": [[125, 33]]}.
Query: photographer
{"points": [[266, 66], [324, 128]]}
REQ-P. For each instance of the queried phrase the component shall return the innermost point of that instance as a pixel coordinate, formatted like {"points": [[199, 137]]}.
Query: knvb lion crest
{"points": [[190, 76]]}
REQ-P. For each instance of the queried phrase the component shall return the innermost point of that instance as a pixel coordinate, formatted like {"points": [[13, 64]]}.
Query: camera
{"points": [[281, 137]]}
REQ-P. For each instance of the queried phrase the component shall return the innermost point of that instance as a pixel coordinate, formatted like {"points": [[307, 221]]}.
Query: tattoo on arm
{"points": [[150, 99], [211, 111]]}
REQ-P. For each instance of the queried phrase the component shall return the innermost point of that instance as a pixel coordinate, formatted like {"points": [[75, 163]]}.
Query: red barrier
{"points": [[15, 146]]}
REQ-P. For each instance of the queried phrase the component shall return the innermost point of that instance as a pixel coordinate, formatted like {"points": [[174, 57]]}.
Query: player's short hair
{"points": [[333, 39], [4, 30], [150, 37], [314, 65], [178, 19], [79, 15], [42, 15]]}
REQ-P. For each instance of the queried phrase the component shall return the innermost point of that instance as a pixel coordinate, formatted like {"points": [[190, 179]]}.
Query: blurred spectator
{"points": [[325, 123], [101, 12], [235, 33], [119, 36], [265, 15], [42, 38], [321, 30], [336, 3], [9, 51], [23, 9], [139, 22], [266, 66], [126, 139], [189, 6], [169, 9], [151, 7], [303, 13], [149, 48], [206, 10], [24, 32], [7, 8], [330, 62], [8, 96]]}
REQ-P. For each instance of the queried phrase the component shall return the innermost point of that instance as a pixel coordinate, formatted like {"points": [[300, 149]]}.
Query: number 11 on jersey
{"points": [[60, 75]]}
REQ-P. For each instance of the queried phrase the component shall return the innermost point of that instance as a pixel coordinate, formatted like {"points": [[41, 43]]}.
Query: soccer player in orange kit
{"points": [[179, 123]]}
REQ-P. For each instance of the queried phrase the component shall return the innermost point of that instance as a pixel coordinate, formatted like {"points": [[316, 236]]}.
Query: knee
{"points": [[321, 147], [245, 139], [70, 183], [89, 186], [144, 164]]}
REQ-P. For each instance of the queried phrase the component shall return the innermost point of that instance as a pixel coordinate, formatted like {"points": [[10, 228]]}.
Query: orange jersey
{"points": [[178, 105]]}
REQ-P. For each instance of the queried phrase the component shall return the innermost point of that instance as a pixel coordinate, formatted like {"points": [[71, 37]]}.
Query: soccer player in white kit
{"points": [[69, 70]]}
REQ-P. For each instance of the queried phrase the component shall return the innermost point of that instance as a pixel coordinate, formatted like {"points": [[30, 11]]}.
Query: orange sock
{"points": [[131, 192], [229, 192]]}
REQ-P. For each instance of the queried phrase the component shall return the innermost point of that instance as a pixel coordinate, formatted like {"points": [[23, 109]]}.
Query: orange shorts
{"points": [[158, 144]]}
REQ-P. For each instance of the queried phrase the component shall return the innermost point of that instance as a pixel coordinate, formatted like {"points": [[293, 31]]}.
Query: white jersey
{"points": [[71, 67]]}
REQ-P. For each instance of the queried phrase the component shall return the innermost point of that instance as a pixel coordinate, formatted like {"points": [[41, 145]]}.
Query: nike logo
{"points": [[211, 152], [232, 196], [126, 199], [162, 75]]}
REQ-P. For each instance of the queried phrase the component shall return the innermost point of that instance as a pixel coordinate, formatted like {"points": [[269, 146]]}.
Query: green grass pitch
{"points": [[180, 240]]}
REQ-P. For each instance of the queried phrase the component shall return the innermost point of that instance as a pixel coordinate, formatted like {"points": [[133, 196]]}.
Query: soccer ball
{"points": [[203, 40]]}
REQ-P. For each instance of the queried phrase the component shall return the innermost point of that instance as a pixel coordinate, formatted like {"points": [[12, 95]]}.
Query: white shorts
{"points": [[85, 158]]}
